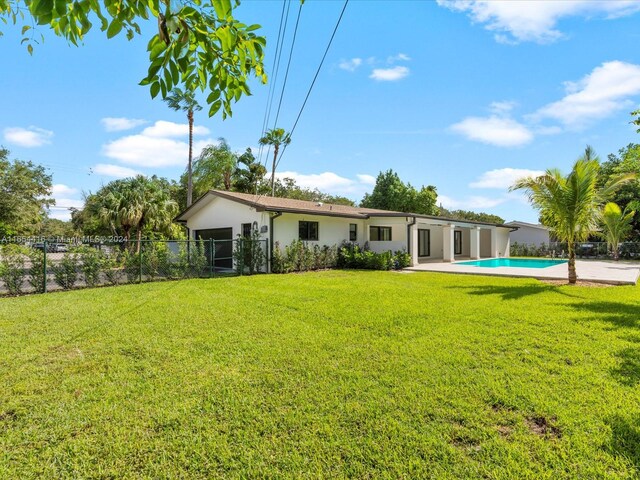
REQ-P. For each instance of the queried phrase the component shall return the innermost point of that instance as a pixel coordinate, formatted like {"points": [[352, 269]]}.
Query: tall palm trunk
{"points": [[273, 170], [189, 168], [572, 263], [138, 239]]}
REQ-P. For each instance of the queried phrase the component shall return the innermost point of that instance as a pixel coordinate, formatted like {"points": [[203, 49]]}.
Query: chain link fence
{"points": [[50, 265], [584, 250]]}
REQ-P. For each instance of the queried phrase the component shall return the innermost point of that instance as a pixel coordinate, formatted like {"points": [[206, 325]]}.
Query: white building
{"points": [[223, 215], [528, 233]]}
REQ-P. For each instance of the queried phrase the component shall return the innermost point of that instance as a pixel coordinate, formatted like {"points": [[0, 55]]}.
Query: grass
{"points": [[331, 374]]}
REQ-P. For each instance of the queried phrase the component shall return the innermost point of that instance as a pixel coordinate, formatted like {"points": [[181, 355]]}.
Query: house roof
{"points": [[288, 205], [516, 223]]}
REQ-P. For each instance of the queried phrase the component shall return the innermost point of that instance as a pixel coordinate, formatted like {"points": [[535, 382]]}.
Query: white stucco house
{"points": [[223, 215], [529, 233]]}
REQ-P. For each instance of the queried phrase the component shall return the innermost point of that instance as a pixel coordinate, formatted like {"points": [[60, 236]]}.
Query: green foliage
{"points": [[36, 272], [352, 256], [198, 259], [249, 174], [469, 215], [300, 257], [12, 267], [391, 193], [529, 250], [24, 195], [65, 271], [570, 205], [276, 137], [131, 263], [616, 226], [113, 267], [198, 45], [214, 168], [627, 197], [248, 254], [287, 188], [92, 263]]}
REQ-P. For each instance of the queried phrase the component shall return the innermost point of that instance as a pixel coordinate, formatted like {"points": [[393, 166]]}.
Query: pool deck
{"points": [[617, 273]]}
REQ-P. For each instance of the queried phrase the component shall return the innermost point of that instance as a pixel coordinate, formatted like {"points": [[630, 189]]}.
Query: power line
{"points": [[314, 78], [275, 68]]}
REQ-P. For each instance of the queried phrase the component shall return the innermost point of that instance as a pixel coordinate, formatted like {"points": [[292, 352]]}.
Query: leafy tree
{"points": [[287, 188], [275, 138], [628, 196], [570, 205], [469, 215], [391, 193], [186, 102], [137, 204], [198, 45], [24, 191], [249, 174], [53, 227], [616, 226], [214, 168]]}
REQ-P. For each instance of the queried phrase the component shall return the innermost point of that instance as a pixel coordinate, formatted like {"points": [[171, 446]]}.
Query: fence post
{"points": [[267, 257], [140, 261], [211, 269], [44, 267], [213, 256]]}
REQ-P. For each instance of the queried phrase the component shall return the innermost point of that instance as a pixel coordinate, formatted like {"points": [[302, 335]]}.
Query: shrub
{"points": [[113, 267], [36, 272], [65, 273], [248, 254], [155, 259], [199, 259], [352, 256], [12, 270], [91, 264]]}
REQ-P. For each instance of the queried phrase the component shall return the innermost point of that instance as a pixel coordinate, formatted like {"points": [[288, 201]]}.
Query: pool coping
{"points": [[597, 271]]}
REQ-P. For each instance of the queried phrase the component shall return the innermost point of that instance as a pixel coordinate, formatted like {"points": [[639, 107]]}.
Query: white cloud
{"points": [[535, 20], [503, 178], [389, 74], [329, 182], [470, 203], [118, 124], [163, 128], [64, 197], [28, 137], [494, 130], [350, 65], [61, 190], [502, 108], [156, 146], [607, 89], [366, 179], [401, 57], [115, 171]]}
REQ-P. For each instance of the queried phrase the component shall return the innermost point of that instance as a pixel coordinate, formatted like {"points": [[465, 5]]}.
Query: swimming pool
{"points": [[513, 262]]}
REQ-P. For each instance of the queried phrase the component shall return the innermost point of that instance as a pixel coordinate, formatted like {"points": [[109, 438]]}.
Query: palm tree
{"points": [[616, 225], [186, 102], [275, 137], [214, 167], [155, 206], [249, 174], [570, 206]]}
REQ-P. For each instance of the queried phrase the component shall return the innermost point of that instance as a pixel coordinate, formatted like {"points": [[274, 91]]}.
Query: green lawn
{"points": [[331, 374]]}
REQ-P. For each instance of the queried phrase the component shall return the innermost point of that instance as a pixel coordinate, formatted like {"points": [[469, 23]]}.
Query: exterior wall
{"points": [[398, 233], [435, 237], [504, 244], [529, 235], [221, 213], [331, 230]]}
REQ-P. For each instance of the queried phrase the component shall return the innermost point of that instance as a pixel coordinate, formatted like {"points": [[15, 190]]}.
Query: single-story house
{"points": [[222, 215], [529, 233]]}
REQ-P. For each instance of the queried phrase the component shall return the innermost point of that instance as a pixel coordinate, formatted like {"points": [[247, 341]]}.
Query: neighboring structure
{"points": [[529, 233], [222, 215]]}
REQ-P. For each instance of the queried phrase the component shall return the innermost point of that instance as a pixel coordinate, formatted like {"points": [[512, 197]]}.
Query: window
{"points": [[380, 234], [353, 232], [308, 230], [246, 229], [457, 242], [424, 243]]}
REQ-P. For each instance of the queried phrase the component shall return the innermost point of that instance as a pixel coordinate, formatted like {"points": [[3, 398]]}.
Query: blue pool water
{"points": [[513, 262]]}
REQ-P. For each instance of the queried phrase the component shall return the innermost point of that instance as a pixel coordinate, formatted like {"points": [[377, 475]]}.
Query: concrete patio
{"points": [[616, 273]]}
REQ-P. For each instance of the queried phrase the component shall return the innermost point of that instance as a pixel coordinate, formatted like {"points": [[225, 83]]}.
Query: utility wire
{"points": [[275, 68], [284, 149]]}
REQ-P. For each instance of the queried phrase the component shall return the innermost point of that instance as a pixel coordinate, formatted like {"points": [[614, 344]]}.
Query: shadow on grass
{"points": [[628, 371], [625, 438], [514, 292], [621, 315]]}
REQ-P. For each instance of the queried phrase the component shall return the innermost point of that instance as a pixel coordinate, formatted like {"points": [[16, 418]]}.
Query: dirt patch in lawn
{"points": [[579, 283], [543, 426]]}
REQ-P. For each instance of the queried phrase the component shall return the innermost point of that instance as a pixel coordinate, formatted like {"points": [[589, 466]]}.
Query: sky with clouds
{"points": [[466, 95]]}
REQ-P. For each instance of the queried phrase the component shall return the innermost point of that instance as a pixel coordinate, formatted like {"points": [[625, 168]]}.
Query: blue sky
{"points": [[466, 96]]}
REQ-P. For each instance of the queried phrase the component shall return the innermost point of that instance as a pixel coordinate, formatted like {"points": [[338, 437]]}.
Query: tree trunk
{"points": [[189, 168], [572, 263], [273, 170], [139, 239]]}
